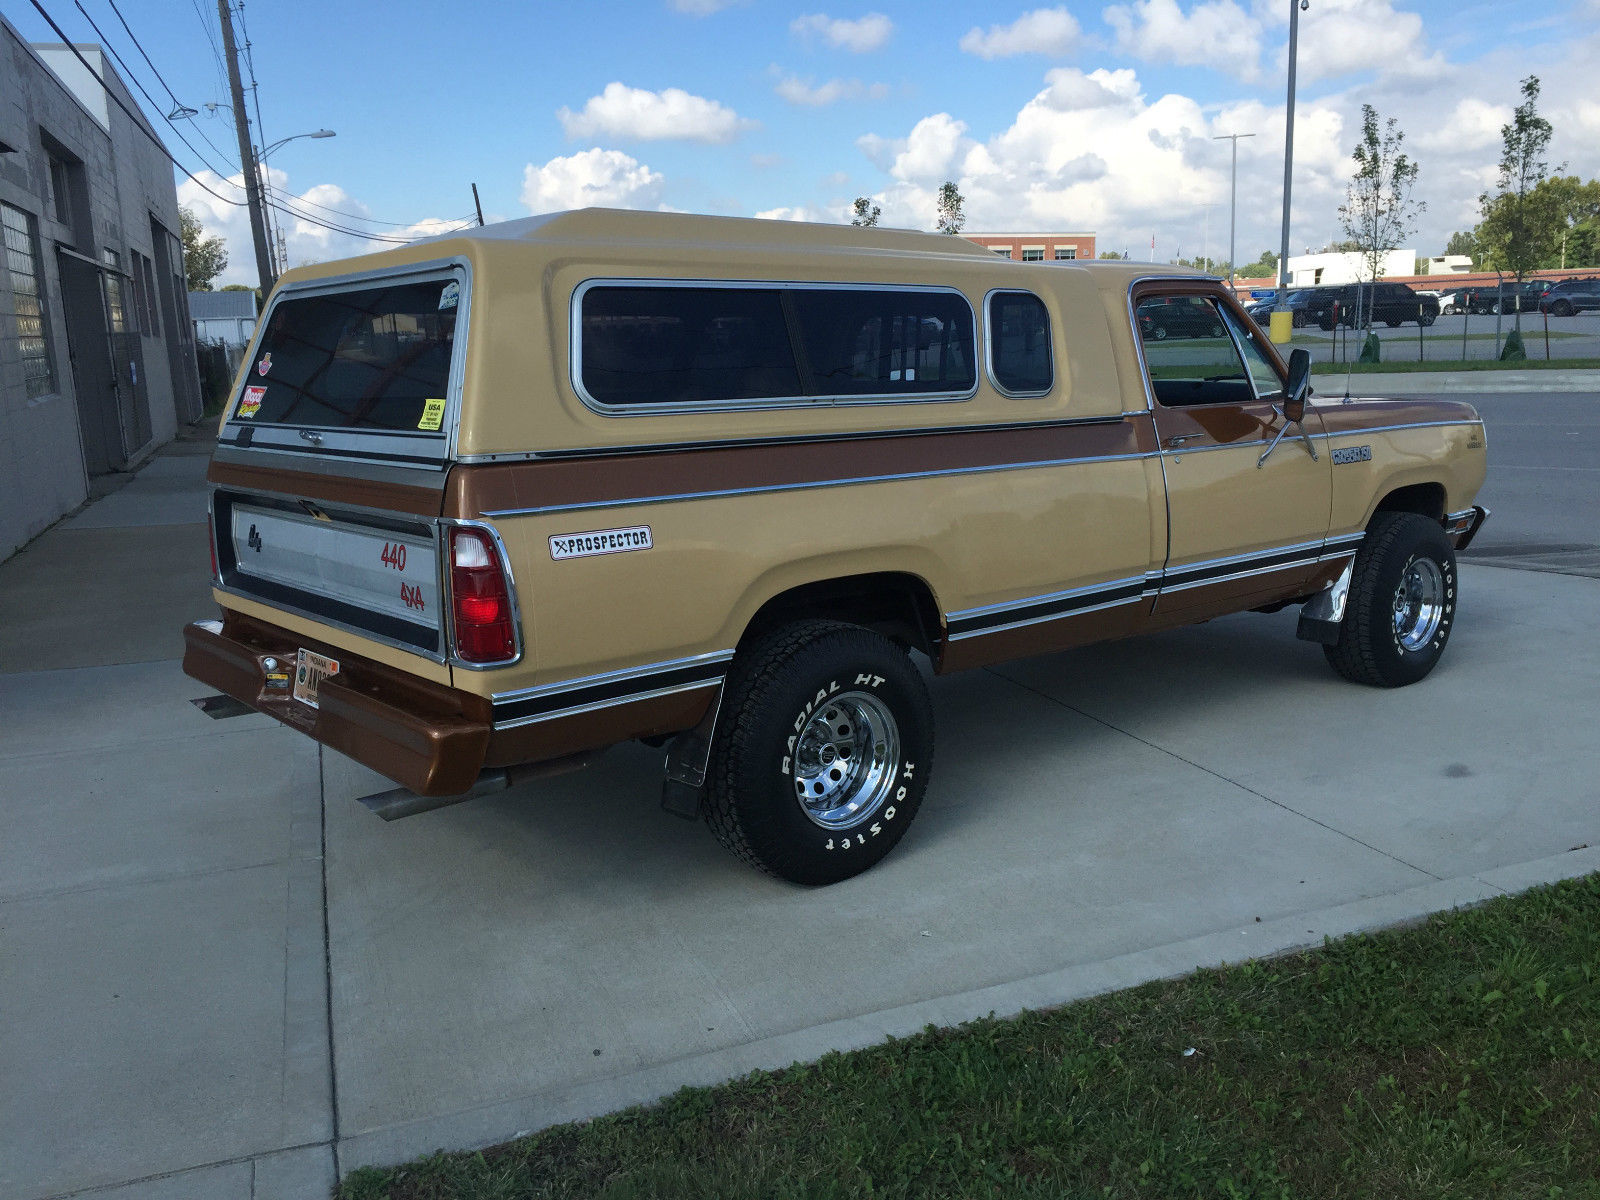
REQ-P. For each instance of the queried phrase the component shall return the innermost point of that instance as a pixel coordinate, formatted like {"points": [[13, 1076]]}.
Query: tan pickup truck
{"points": [[487, 504]]}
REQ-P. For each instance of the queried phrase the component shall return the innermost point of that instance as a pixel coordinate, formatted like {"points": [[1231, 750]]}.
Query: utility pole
{"points": [[247, 157], [1288, 150], [1233, 199]]}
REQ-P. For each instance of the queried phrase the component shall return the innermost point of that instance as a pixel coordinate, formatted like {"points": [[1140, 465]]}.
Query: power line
{"points": [[138, 121], [106, 42]]}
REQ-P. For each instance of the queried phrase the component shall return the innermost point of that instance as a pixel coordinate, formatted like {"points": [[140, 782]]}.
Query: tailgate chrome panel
{"points": [[372, 574], [379, 569]]}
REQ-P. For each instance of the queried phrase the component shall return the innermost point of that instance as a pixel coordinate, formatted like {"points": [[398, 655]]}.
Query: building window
{"points": [[1002, 251], [1066, 253], [1033, 254], [144, 292], [114, 302], [33, 330], [59, 190]]}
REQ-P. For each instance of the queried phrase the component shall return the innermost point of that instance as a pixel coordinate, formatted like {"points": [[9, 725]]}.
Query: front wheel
{"points": [[823, 753], [1401, 605]]}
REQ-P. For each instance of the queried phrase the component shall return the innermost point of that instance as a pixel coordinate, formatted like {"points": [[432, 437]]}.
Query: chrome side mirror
{"points": [[1293, 412], [1298, 386]]}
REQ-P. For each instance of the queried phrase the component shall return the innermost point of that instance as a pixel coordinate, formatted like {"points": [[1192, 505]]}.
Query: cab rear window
{"points": [[367, 358]]}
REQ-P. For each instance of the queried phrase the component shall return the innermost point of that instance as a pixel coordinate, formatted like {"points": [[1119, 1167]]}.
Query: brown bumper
{"points": [[424, 736]]}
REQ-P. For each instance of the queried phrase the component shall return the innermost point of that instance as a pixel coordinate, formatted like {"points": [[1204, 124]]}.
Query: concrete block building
{"points": [[97, 364]]}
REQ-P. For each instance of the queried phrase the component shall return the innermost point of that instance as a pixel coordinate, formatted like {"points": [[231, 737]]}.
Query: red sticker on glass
{"points": [[265, 364], [251, 402]]}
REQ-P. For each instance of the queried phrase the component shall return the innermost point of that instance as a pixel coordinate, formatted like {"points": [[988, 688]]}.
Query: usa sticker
{"points": [[251, 404], [265, 364], [450, 295], [600, 541]]}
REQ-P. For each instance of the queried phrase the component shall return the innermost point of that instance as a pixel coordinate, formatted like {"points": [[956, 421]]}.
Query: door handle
{"points": [[1180, 439]]}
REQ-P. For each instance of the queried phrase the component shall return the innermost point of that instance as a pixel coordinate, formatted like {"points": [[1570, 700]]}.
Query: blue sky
{"points": [[1072, 116]]}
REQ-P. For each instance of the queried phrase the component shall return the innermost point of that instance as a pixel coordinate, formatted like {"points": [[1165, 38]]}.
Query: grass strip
{"points": [[1456, 1058], [1412, 366]]}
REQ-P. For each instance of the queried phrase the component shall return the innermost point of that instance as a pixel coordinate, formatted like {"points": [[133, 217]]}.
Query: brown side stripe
{"points": [[623, 477], [332, 489]]}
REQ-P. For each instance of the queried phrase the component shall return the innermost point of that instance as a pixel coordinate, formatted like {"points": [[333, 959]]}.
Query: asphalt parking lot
{"points": [[1463, 336], [222, 977]]}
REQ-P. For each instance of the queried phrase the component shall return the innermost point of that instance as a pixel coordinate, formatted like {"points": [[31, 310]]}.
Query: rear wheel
{"points": [[1425, 319], [824, 751], [1561, 308], [1391, 323], [1401, 605]]}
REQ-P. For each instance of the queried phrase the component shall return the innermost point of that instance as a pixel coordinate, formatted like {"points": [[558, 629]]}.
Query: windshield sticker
{"points": [[432, 415], [251, 404], [600, 541], [265, 364], [451, 295]]}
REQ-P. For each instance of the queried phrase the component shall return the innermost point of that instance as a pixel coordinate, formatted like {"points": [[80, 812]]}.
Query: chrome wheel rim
{"points": [[845, 760], [1418, 604]]}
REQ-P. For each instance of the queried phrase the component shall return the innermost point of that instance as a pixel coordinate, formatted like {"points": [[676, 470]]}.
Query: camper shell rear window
{"points": [[370, 358]]}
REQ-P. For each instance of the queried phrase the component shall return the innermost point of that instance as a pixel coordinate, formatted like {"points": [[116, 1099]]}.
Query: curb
{"points": [[490, 1124]]}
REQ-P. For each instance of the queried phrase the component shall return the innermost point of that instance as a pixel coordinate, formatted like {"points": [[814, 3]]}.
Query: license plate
{"points": [[310, 670]]}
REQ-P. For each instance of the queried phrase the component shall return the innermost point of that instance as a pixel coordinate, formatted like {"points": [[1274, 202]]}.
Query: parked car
{"points": [[1571, 296], [1302, 304], [1392, 303], [486, 504], [1161, 321], [1453, 303], [1507, 297]]}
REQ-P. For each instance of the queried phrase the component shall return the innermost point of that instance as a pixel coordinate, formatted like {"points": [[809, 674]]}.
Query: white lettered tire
{"points": [[822, 754]]}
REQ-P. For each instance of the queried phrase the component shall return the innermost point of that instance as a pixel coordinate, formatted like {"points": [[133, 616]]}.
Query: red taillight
{"points": [[483, 619]]}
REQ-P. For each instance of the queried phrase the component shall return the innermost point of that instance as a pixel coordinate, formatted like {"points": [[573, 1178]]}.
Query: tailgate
{"points": [[373, 574]]}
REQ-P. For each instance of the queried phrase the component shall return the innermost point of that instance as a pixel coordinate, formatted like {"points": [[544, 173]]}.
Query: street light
{"points": [[275, 240], [1233, 200], [1295, 9]]}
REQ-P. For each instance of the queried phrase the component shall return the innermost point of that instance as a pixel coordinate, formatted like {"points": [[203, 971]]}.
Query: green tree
{"points": [[204, 258], [866, 212], [1379, 212], [1575, 204], [1462, 243], [950, 217], [1111, 254], [1520, 222], [1265, 267]]}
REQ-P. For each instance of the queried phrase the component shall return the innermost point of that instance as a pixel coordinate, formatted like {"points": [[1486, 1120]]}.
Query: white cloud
{"points": [[802, 91], [1343, 37], [1050, 31], [306, 237], [797, 213], [607, 178], [864, 34], [637, 114], [1217, 33]]}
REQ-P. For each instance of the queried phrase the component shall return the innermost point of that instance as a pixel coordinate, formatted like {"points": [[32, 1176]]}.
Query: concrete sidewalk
{"points": [[1096, 819]]}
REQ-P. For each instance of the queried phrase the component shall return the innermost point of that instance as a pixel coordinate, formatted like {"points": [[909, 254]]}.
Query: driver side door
{"points": [[1242, 531]]}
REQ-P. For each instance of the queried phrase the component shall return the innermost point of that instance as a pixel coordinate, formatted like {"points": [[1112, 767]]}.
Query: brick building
{"points": [[97, 362], [1037, 247]]}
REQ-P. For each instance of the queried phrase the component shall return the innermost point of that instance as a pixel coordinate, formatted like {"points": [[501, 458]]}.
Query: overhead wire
{"points": [[143, 126], [106, 42], [138, 121]]}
